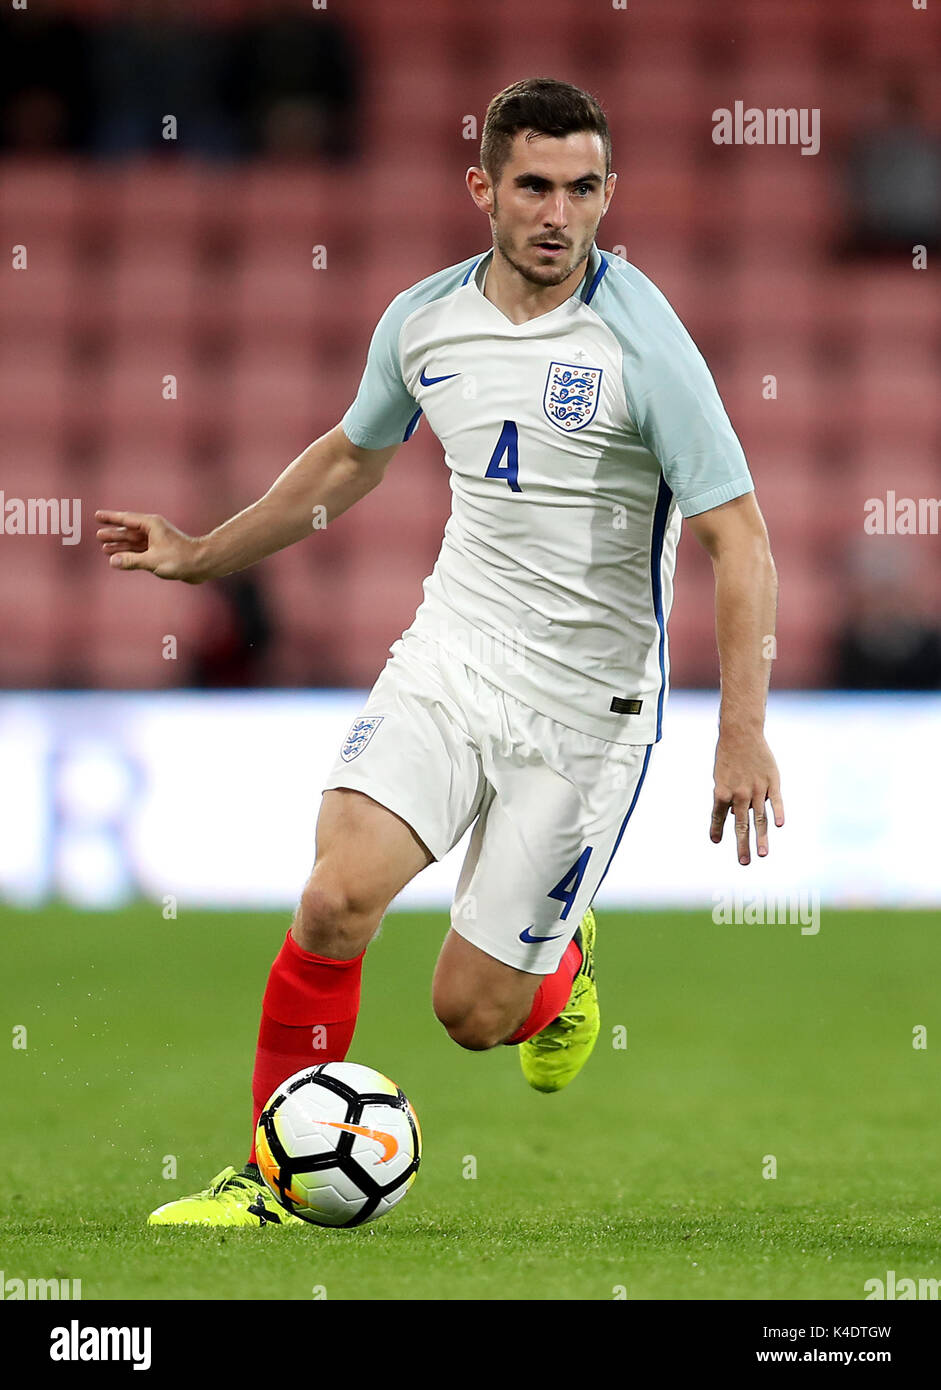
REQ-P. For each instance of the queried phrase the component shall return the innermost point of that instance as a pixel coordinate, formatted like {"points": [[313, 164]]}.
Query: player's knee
{"points": [[330, 922]]}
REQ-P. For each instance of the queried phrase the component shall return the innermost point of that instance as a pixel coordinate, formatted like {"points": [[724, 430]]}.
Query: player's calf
{"points": [[478, 1028], [479, 999]]}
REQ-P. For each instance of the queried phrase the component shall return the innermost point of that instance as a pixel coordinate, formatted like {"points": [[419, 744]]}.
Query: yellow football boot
{"points": [[554, 1057], [231, 1199]]}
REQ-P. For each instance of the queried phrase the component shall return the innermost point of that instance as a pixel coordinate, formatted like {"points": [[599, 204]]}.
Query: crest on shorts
{"points": [[571, 395], [361, 731]]}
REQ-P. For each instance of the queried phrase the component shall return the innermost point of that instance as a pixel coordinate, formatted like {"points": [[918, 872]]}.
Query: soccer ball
{"points": [[338, 1144]]}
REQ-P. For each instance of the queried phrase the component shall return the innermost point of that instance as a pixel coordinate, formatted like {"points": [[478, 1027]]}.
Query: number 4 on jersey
{"points": [[568, 885], [508, 445]]}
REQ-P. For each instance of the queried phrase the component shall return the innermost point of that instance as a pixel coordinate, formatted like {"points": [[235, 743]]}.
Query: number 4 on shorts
{"points": [[568, 885]]}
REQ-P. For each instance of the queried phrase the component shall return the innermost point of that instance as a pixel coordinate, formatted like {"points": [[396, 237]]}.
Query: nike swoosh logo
{"points": [[390, 1145], [433, 380], [525, 936]]}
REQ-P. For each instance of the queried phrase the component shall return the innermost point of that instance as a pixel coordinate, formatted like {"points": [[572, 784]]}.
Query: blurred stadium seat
{"points": [[154, 267]]}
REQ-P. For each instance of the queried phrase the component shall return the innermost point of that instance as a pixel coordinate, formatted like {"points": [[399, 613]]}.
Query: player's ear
{"points": [[480, 188], [609, 183]]}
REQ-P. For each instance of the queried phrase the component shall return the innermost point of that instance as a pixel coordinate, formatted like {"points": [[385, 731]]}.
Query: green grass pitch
{"points": [[644, 1179]]}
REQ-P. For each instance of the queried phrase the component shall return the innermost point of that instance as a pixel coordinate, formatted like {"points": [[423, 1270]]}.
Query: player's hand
{"points": [[746, 778], [135, 541]]}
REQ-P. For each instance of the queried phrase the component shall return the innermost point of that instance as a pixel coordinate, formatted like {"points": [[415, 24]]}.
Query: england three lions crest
{"points": [[571, 395], [359, 735]]}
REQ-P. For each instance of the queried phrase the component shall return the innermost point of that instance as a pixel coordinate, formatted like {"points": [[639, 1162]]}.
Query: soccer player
{"points": [[580, 424]]}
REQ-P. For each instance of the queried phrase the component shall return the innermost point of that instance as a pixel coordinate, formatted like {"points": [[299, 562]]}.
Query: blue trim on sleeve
{"points": [[412, 425]]}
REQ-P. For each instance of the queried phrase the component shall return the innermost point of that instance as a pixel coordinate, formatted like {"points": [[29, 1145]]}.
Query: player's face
{"points": [[551, 196]]}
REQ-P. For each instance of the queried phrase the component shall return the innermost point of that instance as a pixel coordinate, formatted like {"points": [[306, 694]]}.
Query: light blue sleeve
{"points": [[384, 413], [383, 409], [671, 395]]}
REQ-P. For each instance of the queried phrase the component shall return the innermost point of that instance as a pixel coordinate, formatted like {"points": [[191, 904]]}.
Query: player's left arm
{"points": [[746, 774]]}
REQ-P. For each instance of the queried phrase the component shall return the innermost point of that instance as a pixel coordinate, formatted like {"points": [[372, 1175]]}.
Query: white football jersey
{"points": [[575, 442]]}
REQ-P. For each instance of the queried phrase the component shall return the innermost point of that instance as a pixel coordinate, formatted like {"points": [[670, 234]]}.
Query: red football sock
{"points": [[552, 995], [308, 1015]]}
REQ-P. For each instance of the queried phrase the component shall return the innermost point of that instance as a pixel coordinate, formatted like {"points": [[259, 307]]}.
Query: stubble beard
{"points": [[547, 275]]}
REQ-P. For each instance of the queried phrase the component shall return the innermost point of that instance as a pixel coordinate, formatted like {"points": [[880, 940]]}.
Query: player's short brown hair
{"points": [[545, 106]]}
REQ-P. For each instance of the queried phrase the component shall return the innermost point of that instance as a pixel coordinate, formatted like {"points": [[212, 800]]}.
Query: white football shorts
{"points": [[445, 750]]}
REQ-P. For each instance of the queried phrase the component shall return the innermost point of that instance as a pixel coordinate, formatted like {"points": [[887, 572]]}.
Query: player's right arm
{"points": [[332, 474]]}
